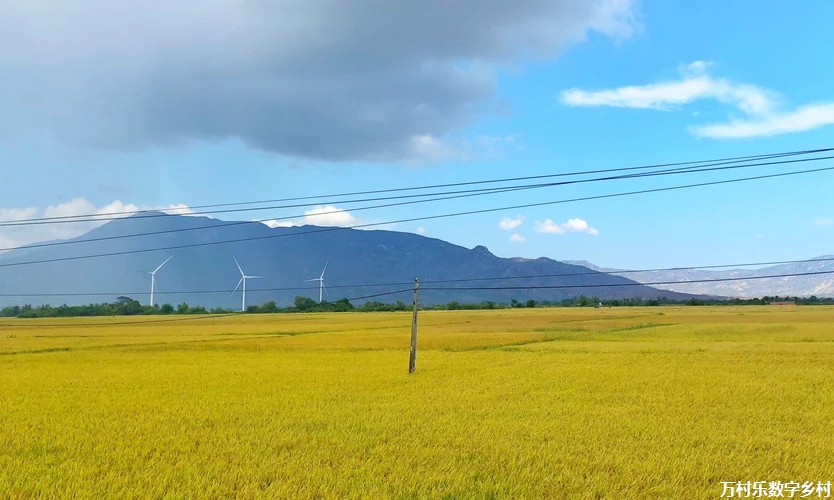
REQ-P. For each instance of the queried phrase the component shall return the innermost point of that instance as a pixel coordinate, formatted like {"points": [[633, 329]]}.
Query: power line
{"points": [[706, 167], [454, 195], [492, 278], [422, 218], [154, 213], [649, 284], [455, 289], [633, 271], [198, 292]]}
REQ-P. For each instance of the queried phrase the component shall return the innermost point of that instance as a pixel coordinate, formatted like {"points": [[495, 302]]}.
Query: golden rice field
{"points": [[663, 402]]}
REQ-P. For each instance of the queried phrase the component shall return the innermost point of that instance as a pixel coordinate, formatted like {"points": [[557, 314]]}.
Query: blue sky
{"points": [[143, 106]]}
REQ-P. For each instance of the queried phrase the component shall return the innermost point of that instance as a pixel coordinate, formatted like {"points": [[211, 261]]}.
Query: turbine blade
{"points": [[238, 267], [323, 270], [238, 286], [160, 266]]}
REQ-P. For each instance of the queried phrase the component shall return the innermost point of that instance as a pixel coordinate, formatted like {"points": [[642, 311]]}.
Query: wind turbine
{"points": [[243, 278], [153, 277], [320, 279]]}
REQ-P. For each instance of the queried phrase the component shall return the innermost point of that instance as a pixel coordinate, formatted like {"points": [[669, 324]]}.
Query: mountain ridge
{"points": [[361, 262], [796, 279]]}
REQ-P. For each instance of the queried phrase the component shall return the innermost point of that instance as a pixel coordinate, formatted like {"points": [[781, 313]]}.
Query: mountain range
{"points": [[797, 279], [114, 260]]}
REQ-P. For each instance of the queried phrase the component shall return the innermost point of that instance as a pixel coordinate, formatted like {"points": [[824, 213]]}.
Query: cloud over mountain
{"points": [[14, 232], [321, 79]]}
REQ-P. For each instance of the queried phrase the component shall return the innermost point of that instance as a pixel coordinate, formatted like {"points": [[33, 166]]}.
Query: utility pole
{"points": [[412, 355]]}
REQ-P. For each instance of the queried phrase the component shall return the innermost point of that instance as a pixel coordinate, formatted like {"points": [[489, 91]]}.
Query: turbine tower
{"points": [[153, 277], [243, 278], [320, 279]]}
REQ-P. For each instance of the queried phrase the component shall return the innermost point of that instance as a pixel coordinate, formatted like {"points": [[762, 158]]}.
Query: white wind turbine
{"points": [[243, 278], [153, 277], [320, 279]]}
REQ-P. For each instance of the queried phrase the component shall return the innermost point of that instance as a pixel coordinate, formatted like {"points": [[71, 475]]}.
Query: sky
{"points": [[122, 106]]}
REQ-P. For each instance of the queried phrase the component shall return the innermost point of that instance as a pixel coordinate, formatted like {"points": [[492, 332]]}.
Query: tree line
{"points": [[127, 306]]}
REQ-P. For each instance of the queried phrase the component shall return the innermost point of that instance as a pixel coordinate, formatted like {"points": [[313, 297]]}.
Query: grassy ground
{"points": [[559, 403]]}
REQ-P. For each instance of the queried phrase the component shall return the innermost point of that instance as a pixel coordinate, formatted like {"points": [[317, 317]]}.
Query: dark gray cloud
{"points": [[324, 79]]}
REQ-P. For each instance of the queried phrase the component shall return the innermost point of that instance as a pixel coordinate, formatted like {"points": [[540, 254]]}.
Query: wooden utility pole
{"points": [[412, 355]]}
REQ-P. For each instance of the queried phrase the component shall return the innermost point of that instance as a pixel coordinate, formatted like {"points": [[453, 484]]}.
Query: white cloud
{"points": [[508, 223], [11, 214], [579, 226], [823, 222], [517, 238], [694, 85], [322, 215], [15, 236], [177, 209], [328, 215], [420, 230], [548, 226], [760, 105], [805, 118], [11, 236], [273, 223], [367, 83]]}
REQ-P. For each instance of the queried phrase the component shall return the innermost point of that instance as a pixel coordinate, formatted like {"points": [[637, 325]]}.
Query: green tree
{"points": [[269, 307], [303, 303], [342, 305], [128, 306], [10, 312]]}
